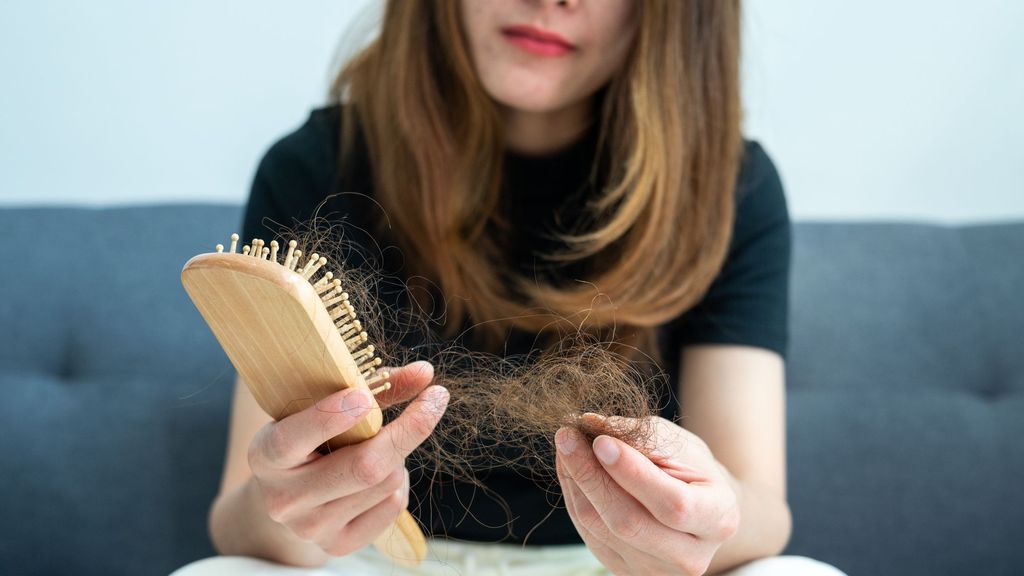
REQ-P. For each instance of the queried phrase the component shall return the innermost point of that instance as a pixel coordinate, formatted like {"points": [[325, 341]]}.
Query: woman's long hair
{"points": [[662, 217]]}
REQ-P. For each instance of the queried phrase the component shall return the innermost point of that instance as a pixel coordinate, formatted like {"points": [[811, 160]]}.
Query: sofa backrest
{"points": [[906, 394], [905, 390], [117, 394]]}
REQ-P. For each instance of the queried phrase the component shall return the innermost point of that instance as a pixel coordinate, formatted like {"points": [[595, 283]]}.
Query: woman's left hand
{"points": [[665, 510]]}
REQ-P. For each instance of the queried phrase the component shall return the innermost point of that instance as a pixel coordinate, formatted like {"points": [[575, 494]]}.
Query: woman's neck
{"points": [[539, 133]]}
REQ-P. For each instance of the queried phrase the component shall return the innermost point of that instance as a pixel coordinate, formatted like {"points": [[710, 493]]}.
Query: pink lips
{"points": [[537, 41]]}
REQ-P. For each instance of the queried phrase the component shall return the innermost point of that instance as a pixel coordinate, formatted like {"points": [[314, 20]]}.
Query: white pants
{"points": [[447, 558]]}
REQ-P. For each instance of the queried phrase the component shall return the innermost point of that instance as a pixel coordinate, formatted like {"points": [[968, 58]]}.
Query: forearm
{"points": [[239, 525], [765, 527]]}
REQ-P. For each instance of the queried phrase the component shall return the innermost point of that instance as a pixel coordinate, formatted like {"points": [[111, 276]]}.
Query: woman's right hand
{"points": [[344, 500]]}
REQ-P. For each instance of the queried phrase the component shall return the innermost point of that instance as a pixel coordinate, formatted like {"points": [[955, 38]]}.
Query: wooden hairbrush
{"points": [[294, 338]]}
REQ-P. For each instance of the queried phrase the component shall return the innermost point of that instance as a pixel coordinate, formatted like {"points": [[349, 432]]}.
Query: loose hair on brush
{"points": [[669, 140], [503, 410]]}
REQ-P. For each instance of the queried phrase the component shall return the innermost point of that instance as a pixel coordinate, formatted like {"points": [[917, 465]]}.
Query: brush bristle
{"points": [[331, 293]]}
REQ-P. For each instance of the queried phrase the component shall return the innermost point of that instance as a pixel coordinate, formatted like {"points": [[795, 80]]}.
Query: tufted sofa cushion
{"points": [[906, 394], [906, 397], [116, 393]]}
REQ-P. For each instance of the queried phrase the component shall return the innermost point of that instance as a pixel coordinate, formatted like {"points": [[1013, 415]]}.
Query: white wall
{"points": [[891, 109], [871, 109], [114, 101]]}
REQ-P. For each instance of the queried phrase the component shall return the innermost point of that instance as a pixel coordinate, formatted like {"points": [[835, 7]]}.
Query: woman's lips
{"points": [[537, 41]]}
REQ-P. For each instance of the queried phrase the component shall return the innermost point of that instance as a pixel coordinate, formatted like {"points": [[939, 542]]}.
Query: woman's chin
{"points": [[528, 92], [538, 102]]}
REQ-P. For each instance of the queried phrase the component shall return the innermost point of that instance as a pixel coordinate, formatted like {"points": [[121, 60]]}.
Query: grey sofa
{"points": [[906, 394]]}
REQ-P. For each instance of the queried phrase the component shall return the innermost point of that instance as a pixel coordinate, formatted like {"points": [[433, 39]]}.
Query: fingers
{"points": [[400, 437], [669, 446], [320, 523], [588, 523], [370, 524], [290, 442], [293, 440], [626, 519], [355, 505], [621, 513], [406, 382], [670, 500], [677, 493], [355, 468]]}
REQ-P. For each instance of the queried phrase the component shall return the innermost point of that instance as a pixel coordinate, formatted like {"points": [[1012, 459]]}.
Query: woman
{"points": [[518, 147]]}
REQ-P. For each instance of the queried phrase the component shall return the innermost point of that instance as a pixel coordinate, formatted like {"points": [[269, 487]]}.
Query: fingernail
{"points": [[356, 401], [438, 399], [565, 439], [606, 450], [423, 365], [405, 485]]}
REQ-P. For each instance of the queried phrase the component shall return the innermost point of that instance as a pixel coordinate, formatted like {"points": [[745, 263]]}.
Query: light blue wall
{"points": [[872, 109], [113, 101], [889, 109]]}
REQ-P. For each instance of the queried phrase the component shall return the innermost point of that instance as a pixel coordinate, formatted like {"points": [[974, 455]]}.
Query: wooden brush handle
{"points": [[403, 541], [284, 344]]}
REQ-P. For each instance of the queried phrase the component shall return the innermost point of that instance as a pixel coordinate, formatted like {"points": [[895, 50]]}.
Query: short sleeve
{"points": [[748, 302]]}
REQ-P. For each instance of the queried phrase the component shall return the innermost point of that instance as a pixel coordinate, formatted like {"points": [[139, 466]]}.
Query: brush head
{"points": [[291, 332], [288, 328]]}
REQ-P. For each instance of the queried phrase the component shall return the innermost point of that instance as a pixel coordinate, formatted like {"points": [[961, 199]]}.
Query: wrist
{"points": [[239, 525], [737, 485]]}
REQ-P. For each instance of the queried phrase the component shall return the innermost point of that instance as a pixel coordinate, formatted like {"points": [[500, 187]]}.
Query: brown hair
{"points": [[670, 129]]}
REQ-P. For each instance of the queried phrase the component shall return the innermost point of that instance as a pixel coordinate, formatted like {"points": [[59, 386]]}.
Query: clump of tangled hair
{"points": [[503, 411]]}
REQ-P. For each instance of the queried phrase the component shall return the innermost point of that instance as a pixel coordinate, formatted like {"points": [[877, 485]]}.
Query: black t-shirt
{"points": [[747, 304]]}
